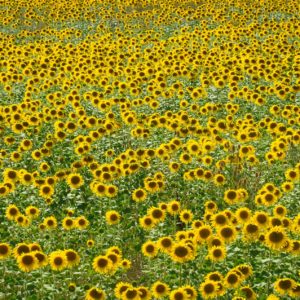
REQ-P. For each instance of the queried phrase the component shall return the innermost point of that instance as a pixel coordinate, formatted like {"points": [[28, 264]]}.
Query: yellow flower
{"points": [[186, 216], [27, 262], [95, 294], [73, 259], [173, 207], [68, 223], [150, 249], [32, 212], [46, 191], [181, 252], [12, 212], [216, 253], [58, 260], [75, 180], [209, 289], [284, 285], [112, 217], [81, 223], [276, 238], [102, 264], [5, 250], [139, 195], [50, 222], [160, 289], [179, 293]]}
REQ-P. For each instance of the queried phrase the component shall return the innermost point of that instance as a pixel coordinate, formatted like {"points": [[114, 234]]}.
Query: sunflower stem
{"points": [[269, 271], [180, 274]]}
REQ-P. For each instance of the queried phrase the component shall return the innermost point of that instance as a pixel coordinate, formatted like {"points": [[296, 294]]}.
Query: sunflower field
{"points": [[149, 149]]}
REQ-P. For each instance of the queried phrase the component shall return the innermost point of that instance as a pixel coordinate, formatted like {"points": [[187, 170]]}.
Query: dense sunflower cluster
{"points": [[149, 149]]}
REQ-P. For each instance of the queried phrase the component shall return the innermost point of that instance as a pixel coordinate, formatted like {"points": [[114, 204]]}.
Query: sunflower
{"points": [[248, 293], [174, 167], [210, 206], [35, 247], [185, 158], [111, 191], [95, 294], [292, 174], [186, 216], [20, 249], [191, 291], [250, 231], [165, 244], [232, 279], [150, 249], [216, 253], [26, 178], [4, 190], [275, 238], [115, 259], [5, 250], [227, 233], [279, 211], [120, 288], [32, 212], [203, 233], [243, 214], [27, 262], [71, 287], [90, 243], [139, 195], [131, 294], [147, 222], [173, 207], [245, 269], [181, 252], [50, 222], [68, 223], [112, 217], [58, 260], [102, 264], [99, 189], [214, 276], [22, 220], [209, 289], [157, 214], [46, 191], [42, 258], [160, 289], [219, 220], [125, 264], [179, 294], [231, 196], [114, 249], [261, 218], [12, 212], [73, 259], [284, 285], [219, 179], [287, 186], [75, 180], [268, 198], [81, 223], [215, 241], [10, 175]]}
